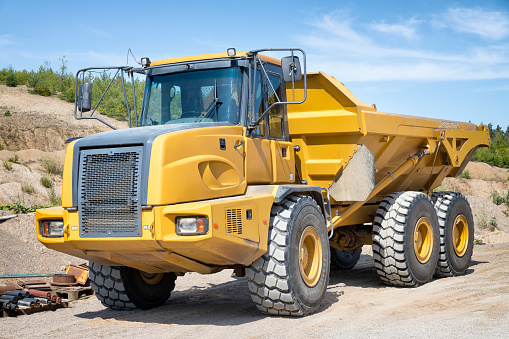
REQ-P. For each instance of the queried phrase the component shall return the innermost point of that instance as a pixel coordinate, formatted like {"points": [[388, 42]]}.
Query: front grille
{"points": [[109, 192], [234, 221]]}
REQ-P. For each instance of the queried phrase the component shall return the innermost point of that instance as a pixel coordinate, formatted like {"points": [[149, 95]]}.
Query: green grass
{"points": [[46, 182], [28, 188], [14, 159], [7, 165], [479, 242], [493, 224], [18, 207], [440, 188], [465, 175], [51, 166], [54, 198], [499, 200]]}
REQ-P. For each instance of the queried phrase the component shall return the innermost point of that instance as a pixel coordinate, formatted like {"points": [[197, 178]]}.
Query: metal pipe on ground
{"points": [[43, 301], [12, 298], [9, 287], [56, 299], [42, 294], [4, 303], [18, 293], [28, 303], [9, 306], [37, 302]]}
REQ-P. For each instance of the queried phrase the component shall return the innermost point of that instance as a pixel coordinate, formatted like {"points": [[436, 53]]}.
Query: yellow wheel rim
{"points": [[423, 240], [151, 278], [460, 235], [310, 256]]}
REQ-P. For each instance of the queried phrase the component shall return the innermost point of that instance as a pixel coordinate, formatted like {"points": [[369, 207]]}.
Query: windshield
{"points": [[194, 96]]}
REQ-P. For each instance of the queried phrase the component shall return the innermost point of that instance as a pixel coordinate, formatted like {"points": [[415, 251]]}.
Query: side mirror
{"points": [[85, 97], [291, 69]]}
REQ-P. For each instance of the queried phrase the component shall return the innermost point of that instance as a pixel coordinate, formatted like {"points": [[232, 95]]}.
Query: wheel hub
{"points": [[423, 240], [460, 235], [310, 256], [151, 278]]}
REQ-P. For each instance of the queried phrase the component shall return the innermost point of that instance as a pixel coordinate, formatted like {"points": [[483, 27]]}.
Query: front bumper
{"points": [[237, 235]]}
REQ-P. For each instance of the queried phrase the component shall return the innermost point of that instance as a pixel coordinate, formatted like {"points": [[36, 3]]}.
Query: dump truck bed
{"points": [[350, 148]]}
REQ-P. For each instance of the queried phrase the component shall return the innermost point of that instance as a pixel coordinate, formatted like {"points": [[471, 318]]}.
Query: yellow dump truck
{"points": [[241, 161]]}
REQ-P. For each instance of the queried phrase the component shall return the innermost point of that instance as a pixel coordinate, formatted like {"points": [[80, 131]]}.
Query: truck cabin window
{"points": [[192, 97]]}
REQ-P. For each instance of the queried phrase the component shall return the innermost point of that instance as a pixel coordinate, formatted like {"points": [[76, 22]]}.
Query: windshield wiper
{"points": [[215, 104]]}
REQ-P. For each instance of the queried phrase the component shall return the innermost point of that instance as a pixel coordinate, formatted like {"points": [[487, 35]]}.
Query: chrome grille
{"points": [[109, 192]]}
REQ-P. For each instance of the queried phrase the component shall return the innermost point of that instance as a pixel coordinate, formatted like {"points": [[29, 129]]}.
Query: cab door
{"points": [[283, 163], [258, 147], [270, 155]]}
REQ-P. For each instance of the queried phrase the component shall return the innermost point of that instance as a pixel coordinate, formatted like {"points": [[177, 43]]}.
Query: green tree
{"points": [[10, 79]]}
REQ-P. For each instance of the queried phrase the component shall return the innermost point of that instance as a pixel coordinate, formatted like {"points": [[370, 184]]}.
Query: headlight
{"points": [[52, 228], [191, 225]]}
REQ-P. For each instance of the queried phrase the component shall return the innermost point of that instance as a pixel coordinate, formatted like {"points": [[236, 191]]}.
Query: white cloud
{"points": [[406, 30], [343, 48], [490, 25]]}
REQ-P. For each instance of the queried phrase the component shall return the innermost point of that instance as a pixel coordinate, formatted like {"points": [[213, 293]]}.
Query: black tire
{"points": [[124, 288], [283, 281], [456, 233], [406, 239], [344, 260]]}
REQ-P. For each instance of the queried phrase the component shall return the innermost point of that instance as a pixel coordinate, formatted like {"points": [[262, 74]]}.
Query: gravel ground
{"points": [[357, 305]]}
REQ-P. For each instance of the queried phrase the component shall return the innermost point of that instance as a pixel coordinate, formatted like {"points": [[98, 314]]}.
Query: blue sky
{"points": [[440, 59]]}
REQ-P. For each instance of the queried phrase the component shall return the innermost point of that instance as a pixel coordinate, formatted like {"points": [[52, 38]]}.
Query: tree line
{"points": [[46, 82]]}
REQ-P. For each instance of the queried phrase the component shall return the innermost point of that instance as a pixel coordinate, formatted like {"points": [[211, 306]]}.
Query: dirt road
{"points": [[357, 305]]}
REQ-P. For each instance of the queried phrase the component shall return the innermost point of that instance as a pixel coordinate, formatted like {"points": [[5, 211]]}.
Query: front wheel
{"points": [[124, 288], [291, 277]]}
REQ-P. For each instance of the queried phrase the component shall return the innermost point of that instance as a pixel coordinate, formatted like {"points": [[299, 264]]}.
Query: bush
{"points": [[14, 159], [54, 198], [7, 165], [479, 242], [46, 182], [7, 113], [28, 188], [43, 90], [17, 207], [465, 175], [51, 166], [1, 147], [493, 224], [499, 200]]}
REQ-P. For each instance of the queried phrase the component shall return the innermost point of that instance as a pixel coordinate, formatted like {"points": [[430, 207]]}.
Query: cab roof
{"points": [[211, 57]]}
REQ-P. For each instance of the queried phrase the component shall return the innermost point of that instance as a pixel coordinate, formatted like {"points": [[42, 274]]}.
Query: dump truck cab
{"points": [[231, 165]]}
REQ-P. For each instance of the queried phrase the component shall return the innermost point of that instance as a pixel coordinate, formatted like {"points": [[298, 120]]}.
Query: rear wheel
{"points": [[292, 277], [456, 233], [129, 288], [406, 239], [344, 260]]}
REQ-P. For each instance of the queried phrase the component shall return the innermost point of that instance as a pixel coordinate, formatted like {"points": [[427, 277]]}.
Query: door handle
{"points": [[239, 144]]}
